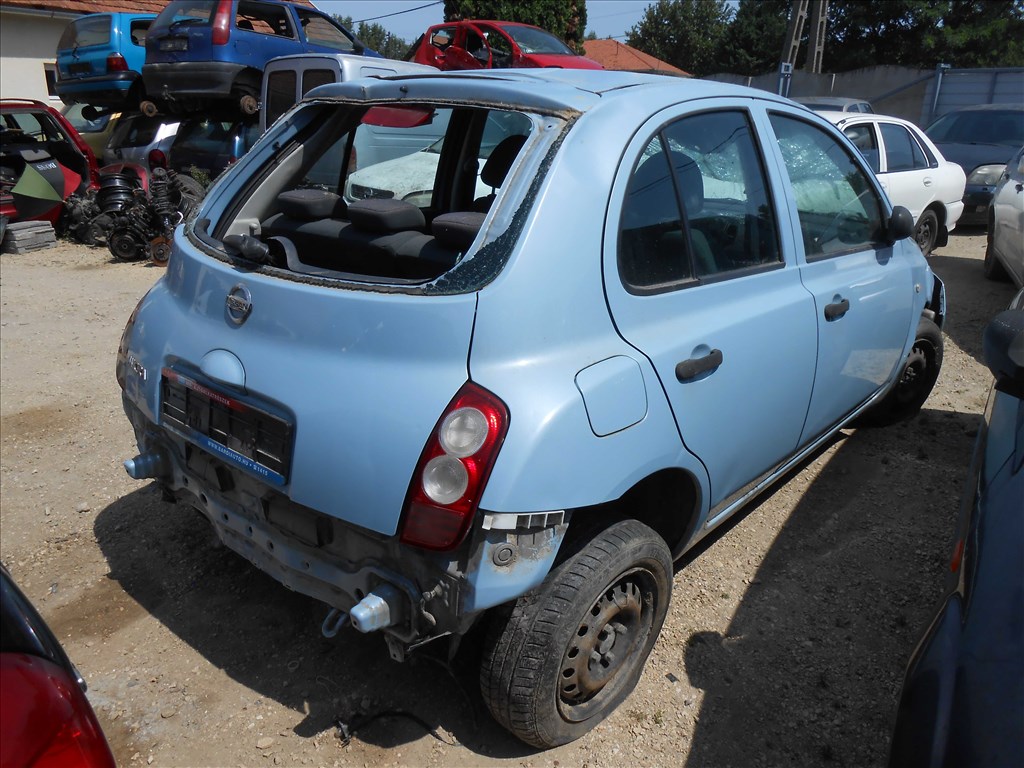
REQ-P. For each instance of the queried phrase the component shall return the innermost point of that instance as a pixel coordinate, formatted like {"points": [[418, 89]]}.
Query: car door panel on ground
{"points": [[848, 267], [725, 321]]}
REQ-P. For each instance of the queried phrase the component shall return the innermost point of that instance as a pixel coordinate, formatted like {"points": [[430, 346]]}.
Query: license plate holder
{"points": [[174, 44], [241, 434]]}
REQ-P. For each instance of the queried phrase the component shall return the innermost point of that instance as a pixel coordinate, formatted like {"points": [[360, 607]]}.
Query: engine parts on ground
{"points": [[134, 222]]}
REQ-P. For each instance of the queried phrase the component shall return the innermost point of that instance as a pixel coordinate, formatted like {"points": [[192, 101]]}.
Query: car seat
{"points": [[496, 168]]}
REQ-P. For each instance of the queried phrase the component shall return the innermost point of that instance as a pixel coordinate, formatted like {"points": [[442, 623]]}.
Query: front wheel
{"points": [[919, 374], [568, 653]]}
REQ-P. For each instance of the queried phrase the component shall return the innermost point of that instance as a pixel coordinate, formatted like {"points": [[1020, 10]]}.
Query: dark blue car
{"points": [[980, 140], [100, 58], [963, 697], [200, 52]]}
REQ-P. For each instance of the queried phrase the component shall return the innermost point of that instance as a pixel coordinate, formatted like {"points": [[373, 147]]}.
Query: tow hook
{"points": [[377, 610], [147, 465], [335, 620]]}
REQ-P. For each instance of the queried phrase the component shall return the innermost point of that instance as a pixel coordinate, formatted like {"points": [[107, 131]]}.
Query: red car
{"points": [[493, 44], [43, 161], [45, 718]]}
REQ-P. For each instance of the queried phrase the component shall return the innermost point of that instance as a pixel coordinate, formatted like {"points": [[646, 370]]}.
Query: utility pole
{"points": [[794, 33]]}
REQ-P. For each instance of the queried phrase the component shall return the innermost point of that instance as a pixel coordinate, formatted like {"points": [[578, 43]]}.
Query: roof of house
{"points": [[611, 54], [97, 6]]}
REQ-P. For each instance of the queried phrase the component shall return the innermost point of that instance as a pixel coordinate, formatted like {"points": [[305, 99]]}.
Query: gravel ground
{"points": [[785, 642]]}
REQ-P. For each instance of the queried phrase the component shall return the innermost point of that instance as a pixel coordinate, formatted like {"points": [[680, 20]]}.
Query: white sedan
{"points": [[912, 171]]}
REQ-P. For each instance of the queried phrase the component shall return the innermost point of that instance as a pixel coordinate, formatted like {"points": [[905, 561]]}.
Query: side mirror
{"points": [[901, 224], [1003, 351]]}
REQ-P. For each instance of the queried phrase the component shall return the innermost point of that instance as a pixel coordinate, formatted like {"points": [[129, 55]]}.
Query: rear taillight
{"points": [[222, 19], [157, 159], [116, 63], [47, 719], [453, 469]]}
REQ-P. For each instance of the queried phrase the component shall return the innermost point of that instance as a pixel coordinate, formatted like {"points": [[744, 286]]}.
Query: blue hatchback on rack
{"points": [[100, 58], [202, 53]]}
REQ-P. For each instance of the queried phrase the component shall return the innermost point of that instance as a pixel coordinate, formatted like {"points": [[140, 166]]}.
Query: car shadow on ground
{"points": [[810, 668], [166, 558]]}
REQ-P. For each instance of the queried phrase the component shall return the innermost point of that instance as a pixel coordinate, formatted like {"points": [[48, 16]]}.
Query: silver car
{"points": [[1004, 256], [137, 137]]}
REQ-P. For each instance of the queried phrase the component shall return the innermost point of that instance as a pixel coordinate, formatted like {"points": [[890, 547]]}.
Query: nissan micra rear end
{"points": [[426, 406]]}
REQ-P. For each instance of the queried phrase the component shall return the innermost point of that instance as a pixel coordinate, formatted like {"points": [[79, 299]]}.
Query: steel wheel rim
{"points": [[602, 652], [915, 374]]}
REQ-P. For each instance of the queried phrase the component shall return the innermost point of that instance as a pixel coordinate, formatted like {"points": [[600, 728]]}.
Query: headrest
{"points": [[310, 204], [500, 160], [457, 230], [384, 216]]}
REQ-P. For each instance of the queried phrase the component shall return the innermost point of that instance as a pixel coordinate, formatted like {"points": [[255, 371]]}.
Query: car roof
{"points": [[547, 90], [986, 108], [842, 118]]}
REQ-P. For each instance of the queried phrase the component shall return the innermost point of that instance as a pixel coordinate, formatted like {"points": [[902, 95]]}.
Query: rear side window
{"points": [[902, 152], [139, 29], [863, 138], [839, 210], [697, 205], [88, 30], [265, 18], [319, 31]]}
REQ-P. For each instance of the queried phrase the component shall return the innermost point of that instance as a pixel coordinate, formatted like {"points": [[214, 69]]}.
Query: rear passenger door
{"points": [[696, 281], [859, 282], [909, 171]]}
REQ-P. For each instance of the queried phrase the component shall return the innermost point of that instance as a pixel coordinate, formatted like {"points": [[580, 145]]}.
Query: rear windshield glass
{"points": [[88, 30], [186, 13], [381, 194]]}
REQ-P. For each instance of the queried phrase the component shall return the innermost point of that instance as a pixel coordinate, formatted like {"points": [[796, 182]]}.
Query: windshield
{"points": [[534, 40], [988, 126]]}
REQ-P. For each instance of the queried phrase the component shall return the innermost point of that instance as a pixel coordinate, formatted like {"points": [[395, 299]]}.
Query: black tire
{"points": [[993, 269], [918, 377], [569, 652], [927, 232]]}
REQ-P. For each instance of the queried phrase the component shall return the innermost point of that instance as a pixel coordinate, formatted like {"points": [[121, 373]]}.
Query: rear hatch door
{"points": [[359, 376]]}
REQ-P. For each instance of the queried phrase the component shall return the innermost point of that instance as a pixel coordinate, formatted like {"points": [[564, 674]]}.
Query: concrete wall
{"points": [[27, 43], [902, 91]]}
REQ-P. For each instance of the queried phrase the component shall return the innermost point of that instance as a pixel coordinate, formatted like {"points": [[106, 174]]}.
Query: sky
{"points": [[608, 18]]}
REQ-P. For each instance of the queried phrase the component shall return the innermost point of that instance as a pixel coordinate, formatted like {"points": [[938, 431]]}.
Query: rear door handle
{"points": [[691, 369], [836, 310]]}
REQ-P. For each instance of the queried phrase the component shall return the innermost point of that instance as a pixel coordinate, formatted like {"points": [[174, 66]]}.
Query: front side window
{"points": [[697, 205], [902, 152], [839, 209]]}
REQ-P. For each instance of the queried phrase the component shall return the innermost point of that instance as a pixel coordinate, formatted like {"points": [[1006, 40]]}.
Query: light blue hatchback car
{"points": [[429, 406]]}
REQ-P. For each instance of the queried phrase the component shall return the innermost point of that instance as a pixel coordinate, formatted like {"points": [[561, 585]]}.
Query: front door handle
{"points": [[836, 310], [691, 369]]}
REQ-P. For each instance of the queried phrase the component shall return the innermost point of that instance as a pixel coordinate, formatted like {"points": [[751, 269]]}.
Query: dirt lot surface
{"points": [[785, 642]]}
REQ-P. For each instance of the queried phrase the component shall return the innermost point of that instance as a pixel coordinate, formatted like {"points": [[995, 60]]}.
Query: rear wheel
{"points": [[568, 653], [927, 232]]}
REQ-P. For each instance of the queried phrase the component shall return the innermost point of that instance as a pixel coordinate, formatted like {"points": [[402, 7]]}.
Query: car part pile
{"points": [[133, 223]]}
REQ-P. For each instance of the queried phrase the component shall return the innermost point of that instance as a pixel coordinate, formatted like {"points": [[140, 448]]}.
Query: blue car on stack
{"points": [[100, 58]]}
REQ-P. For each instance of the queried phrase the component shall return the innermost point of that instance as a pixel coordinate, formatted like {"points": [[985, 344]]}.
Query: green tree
{"points": [[752, 43], [375, 36], [565, 18], [684, 33], [923, 33]]}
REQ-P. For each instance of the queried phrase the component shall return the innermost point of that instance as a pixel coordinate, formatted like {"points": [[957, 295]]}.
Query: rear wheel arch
{"points": [[667, 501]]}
